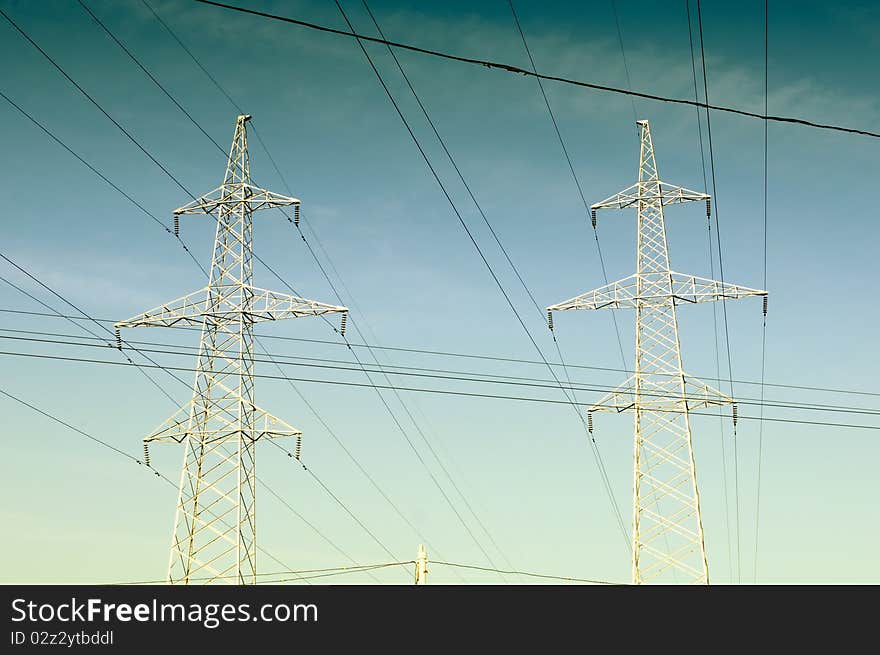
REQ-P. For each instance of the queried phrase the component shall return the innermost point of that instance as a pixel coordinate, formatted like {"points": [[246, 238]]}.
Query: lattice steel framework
{"points": [[215, 533], [667, 529]]}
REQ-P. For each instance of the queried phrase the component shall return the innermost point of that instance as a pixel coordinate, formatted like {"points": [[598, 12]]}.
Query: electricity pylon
{"points": [[667, 528], [215, 534]]}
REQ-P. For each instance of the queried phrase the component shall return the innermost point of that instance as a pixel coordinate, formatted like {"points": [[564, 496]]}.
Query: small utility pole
{"points": [[422, 566]]}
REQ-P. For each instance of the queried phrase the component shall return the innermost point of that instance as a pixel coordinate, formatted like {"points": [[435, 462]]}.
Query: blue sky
{"points": [[79, 512]]}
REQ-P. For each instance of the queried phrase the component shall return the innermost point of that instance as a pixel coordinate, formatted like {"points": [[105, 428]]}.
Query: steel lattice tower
{"points": [[667, 528], [215, 531]]}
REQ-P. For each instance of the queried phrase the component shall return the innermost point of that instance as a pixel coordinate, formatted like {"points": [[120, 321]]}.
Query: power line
{"points": [[128, 360], [525, 573], [446, 392], [85, 315], [724, 482], [440, 374], [339, 570], [128, 197], [101, 442], [723, 300], [345, 449], [341, 504], [593, 446], [857, 392], [150, 75], [590, 436], [87, 435], [94, 102], [336, 569], [574, 176], [521, 71]]}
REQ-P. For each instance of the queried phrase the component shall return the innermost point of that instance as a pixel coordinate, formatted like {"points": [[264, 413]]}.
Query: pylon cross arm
{"points": [[273, 306], [229, 305], [669, 194], [654, 289], [659, 398], [232, 196], [186, 423], [693, 289]]}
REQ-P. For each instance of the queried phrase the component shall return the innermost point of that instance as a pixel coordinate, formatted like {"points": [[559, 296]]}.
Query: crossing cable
{"points": [[574, 176], [119, 451], [94, 102], [338, 500], [723, 300], [724, 482], [338, 570], [397, 422], [94, 170], [129, 361], [344, 448], [151, 76], [764, 326], [106, 329], [439, 374], [525, 573], [521, 71], [594, 447], [856, 392], [446, 392], [302, 518]]}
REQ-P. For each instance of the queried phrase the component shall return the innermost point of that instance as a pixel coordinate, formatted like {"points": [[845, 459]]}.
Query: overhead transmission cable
{"points": [[764, 286], [447, 392], [721, 422], [521, 71], [723, 300], [118, 451], [574, 176], [422, 351], [438, 374]]}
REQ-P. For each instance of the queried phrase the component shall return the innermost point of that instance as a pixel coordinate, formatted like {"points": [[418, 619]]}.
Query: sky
{"points": [[75, 511]]}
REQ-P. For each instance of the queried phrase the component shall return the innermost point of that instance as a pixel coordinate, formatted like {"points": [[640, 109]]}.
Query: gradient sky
{"points": [[77, 512]]}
